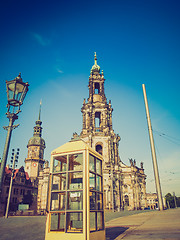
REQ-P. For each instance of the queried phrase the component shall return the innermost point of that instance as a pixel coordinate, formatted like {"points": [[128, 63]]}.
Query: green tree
{"points": [[178, 201], [170, 199]]}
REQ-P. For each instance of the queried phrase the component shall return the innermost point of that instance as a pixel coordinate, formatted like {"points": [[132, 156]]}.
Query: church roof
{"points": [[36, 141], [9, 171]]}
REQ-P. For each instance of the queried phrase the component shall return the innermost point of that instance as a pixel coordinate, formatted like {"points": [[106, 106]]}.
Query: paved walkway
{"points": [[150, 225]]}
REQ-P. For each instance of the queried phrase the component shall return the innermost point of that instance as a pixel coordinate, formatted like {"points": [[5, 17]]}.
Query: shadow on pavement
{"points": [[113, 232]]}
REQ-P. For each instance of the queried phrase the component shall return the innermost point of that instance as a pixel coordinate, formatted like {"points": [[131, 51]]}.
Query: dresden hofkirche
{"points": [[124, 186]]}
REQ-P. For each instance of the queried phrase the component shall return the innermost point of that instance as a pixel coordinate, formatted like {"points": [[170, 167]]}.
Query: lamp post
{"points": [[16, 92], [13, 161]]}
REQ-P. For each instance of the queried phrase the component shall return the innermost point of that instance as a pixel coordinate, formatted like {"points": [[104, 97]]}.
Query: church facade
{"points": [[124, 186]]}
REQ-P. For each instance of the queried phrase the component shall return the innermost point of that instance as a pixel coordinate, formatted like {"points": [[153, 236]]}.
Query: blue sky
{"points": [[52, 43]]}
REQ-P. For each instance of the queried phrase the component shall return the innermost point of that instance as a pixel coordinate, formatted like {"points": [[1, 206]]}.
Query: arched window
{"points": [[97, 121], [97, 88], [126, 200], [99, 149]]}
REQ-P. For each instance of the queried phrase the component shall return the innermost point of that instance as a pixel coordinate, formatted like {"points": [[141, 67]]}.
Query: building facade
{"points": [[152, 201], [21, 187], [43, 183], [123, 185], [133, 186]]}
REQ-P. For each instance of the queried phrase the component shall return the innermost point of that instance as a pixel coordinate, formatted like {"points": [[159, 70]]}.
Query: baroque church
{"points": [[124, 186]]}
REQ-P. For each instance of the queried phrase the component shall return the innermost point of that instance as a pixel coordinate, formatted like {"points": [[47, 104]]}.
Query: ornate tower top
{"points": [[38, 128], [95, 67], [37, 139], [36, 145], [97, 113], [96, 83]]}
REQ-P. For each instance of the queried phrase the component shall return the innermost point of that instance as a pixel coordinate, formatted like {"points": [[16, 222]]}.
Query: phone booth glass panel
{"points": [[75, 208]]}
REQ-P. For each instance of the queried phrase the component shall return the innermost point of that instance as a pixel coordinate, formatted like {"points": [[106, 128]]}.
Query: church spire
{"points": [[38, 128], [40, 110]]}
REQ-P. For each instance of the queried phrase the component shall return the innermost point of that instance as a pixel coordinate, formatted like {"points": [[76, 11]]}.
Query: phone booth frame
{"points": [[75, 196]]}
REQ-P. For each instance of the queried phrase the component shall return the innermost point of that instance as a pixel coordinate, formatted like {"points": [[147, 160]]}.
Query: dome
{"points": [[95, 67], [36, 141]]}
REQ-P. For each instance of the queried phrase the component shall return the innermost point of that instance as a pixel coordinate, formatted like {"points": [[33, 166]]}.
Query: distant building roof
{"points": [[9, 171]]}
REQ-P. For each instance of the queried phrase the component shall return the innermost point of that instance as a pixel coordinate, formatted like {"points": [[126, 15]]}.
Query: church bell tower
{"points": [[36, 145], [97, 131]]}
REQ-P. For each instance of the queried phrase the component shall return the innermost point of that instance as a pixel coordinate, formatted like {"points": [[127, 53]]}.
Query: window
{"points": [[14, 200], [59, 181], [75, 162], [66, 206], [22, 192], [97, 121], [96, 194], [22, 180], [16, 190], [60, 164], [57, 221], [91, 163], [75, 180], [99, 166], [99, 149], [58, 201], [74, 201], [97, 88], [74, 222], [126, 199]]}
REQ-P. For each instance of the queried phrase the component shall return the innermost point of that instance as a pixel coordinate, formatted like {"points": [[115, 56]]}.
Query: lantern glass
{"points": [[16, 91], [10, 90]]}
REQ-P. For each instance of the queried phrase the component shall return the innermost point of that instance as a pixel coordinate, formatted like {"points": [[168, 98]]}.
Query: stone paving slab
{"points": [[152, 225]]}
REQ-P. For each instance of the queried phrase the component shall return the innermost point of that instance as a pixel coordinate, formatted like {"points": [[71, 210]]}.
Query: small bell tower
{"points": [[36, 145]]}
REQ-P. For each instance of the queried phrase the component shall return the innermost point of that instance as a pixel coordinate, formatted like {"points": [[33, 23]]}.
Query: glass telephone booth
{"points": [[75, 200]]}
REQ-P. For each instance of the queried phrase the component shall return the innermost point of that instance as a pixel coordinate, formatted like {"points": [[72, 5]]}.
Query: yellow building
{"points": [[152, 201]]}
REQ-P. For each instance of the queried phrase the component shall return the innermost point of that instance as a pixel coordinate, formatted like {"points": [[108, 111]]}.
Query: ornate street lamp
{"points": [[16, 92]]}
